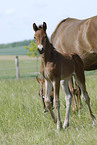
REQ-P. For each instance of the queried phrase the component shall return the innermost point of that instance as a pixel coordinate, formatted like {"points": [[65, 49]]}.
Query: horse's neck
{"points": [[48, 51]]}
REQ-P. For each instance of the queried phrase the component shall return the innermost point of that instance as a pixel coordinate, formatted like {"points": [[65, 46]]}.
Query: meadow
{"points": [[23, 122], [28, 66]]}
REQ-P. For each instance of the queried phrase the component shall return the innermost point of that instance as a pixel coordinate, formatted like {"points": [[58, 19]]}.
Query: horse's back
{"points": [[78, 36]]}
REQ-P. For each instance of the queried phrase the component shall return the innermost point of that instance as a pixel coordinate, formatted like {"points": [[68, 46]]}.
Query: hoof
{"points": [[59, 126], [94, 123], [65, 125], [45, 111]]}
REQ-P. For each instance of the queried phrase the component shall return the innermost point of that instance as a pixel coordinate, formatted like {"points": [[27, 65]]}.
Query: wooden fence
{"points": [[18, 67]]}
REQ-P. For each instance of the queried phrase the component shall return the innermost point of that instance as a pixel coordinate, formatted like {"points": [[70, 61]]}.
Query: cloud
{"points": [[10, 11]]}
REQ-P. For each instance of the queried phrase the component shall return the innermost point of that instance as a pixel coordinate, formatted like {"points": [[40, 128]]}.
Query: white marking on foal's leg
{"points": [[68, 98], [48, 89]]}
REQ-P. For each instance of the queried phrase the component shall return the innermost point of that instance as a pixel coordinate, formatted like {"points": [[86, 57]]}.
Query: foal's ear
{"points": [[44, 26], [35, 28]]}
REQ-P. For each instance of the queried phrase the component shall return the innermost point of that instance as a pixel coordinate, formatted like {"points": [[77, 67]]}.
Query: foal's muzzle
{"points": [[41, 51]]}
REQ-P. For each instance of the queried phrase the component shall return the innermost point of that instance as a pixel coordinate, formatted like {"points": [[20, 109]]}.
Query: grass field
{"points": [[20, 50], [28, 66], [22, 121]]}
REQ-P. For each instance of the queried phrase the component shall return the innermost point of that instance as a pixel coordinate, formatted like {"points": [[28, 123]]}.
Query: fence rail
{"points": [[27, 67]]}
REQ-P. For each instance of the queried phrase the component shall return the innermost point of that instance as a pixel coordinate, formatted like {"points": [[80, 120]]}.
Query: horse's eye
{"points": [[34, 37], [45, 37]]}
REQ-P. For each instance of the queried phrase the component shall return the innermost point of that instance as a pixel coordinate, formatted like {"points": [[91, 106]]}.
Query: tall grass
{"points": [[22, 121]]}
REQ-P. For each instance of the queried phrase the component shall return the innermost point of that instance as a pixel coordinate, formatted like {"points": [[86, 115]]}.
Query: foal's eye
{"points": [[34, 38], [45, 37]]}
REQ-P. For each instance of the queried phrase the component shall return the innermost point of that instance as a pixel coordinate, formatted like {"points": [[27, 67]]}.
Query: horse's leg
{"points": [[68, 98], [48, 89], [73, 104], [78, 94], [56, 85], [71, 88], [87, 101], [81, 82]]}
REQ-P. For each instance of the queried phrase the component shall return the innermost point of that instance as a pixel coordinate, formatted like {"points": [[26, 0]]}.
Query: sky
{"points": [[18, 16]]}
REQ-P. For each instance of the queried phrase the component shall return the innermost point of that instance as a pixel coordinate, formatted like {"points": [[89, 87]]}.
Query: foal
{"points": [[59, 67]]}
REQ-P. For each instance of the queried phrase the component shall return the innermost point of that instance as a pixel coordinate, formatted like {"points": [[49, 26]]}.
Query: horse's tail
{"points": [[79, 67]]}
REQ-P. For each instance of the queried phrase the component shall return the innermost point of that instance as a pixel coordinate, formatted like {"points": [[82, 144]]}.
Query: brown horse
{"points": [[59, 67], [74, 89], [78, 36]]}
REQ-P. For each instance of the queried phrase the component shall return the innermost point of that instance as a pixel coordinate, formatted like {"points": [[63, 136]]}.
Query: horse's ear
{"points": [[44, 26], [38, 80], [35, 28]]}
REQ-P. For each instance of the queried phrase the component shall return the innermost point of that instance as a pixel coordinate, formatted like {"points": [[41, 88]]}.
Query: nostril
{"points": [[41, 51]]}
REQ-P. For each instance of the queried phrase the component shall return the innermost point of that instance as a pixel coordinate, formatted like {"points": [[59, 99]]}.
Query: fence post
{"points": [[17, 67]]}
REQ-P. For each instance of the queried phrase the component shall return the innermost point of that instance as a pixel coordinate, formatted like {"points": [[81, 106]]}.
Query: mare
{"points": [[56, 68], [78, 36]]}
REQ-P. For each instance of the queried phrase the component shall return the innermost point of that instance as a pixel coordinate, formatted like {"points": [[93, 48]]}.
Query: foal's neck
{"points": [[49, 49]]}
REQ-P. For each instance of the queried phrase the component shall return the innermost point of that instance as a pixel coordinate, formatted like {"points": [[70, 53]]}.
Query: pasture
{"points": [[22, 121], [28, 66]]}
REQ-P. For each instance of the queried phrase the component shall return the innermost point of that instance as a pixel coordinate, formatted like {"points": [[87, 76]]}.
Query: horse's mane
{"points": [[53, 34]]}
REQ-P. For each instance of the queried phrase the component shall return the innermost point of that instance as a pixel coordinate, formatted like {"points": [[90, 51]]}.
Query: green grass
{"points": [[20, 50], [22, 121]]}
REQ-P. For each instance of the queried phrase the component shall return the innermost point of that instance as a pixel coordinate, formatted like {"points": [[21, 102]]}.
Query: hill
{"points": [[16, 48]]}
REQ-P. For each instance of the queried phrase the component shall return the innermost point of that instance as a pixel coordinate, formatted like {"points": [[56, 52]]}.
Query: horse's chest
{"points": [[49, 71]]}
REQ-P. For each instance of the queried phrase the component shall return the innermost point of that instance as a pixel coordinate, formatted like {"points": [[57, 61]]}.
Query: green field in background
{"points": [[13, 51], [27, 68]]}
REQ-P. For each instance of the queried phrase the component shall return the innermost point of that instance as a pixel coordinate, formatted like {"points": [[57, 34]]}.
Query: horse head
{"points": [[40, 36]]}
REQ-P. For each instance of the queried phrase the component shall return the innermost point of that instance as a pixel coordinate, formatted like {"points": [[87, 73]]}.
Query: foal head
{"points": [[40, 36], [42, 93]]}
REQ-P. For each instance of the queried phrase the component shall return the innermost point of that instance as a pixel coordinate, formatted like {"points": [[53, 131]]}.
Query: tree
{"points": [[32, 49]]}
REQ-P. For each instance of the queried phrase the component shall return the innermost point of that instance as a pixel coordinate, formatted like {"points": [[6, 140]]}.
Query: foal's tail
{"points": [[79, 68]]}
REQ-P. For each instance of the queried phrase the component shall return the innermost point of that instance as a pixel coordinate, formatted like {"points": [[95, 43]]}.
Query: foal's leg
{"points": [[56, 85], [78, 94], [68, 98], [48, 89], [71, 88]]}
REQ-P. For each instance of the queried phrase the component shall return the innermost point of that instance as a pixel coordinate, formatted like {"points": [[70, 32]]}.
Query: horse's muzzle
{"points": [[41, 51]]}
